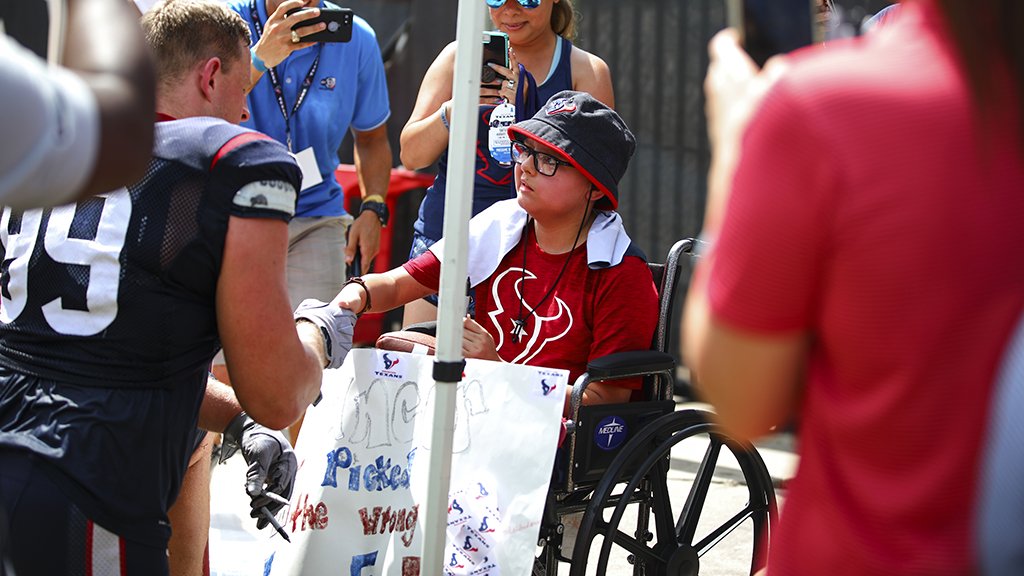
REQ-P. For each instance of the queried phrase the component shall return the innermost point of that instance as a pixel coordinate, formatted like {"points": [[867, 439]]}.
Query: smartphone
{"points": [[495, 50], [770, 27], [339, 25], [356, 267]]}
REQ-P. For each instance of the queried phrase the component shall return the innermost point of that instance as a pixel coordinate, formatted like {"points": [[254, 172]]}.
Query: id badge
{"points": [[310, 171], [498, 143]]}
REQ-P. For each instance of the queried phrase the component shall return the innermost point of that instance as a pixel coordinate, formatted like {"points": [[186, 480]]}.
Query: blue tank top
{"points": [[491, 182]]}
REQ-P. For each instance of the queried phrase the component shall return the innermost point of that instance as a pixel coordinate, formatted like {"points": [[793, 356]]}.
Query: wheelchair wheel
{"points": [[671, 537]]}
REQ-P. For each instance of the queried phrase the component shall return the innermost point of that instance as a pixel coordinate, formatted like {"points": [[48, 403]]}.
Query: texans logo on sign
{"points": [[389, 362], [485, 528]]}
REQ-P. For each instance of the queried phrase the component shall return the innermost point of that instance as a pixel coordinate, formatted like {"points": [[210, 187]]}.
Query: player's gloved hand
{"points": [[336, 325], [272, 463]]}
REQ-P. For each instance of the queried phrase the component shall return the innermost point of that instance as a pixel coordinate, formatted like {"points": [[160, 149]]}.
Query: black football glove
{"points": [[272, 463]]}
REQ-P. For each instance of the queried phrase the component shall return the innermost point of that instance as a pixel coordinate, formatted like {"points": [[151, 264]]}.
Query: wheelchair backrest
{"points": [[666, 279]]}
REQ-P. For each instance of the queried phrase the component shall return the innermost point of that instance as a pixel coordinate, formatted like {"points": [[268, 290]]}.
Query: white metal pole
{"points": [[452, 302]]}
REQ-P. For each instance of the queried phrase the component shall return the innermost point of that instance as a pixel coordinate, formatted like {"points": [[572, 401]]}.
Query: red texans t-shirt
{"points": [[588, 314]]}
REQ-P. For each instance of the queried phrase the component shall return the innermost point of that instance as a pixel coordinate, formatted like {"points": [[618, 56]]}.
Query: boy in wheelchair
{"points": [[556, 279]]}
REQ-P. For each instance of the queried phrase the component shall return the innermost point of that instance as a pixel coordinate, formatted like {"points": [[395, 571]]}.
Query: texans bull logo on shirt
{"points": [[548, 324]]}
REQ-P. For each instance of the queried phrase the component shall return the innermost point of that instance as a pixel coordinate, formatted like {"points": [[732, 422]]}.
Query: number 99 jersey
{"points": [[111, 303], [119, 290]]}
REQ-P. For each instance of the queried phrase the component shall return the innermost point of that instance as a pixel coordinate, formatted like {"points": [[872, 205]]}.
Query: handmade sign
{"points": [[357, 505]]}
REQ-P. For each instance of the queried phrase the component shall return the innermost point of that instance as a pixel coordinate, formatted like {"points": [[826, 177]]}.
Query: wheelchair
{"points": [[614, 467]]}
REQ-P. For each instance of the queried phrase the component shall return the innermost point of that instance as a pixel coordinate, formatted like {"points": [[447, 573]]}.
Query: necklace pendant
{"points": [[518, 327]]}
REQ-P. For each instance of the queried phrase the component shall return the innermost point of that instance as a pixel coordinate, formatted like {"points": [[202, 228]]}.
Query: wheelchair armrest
{"points": [[429, 327], [416, 338], [628, 364], [618, 365]]}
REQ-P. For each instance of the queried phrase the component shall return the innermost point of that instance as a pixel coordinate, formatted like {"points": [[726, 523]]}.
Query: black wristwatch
{"points": [[378, 208]]}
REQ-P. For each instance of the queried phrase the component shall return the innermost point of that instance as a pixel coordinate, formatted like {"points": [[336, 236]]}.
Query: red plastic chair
{"points": [[371, 325]]}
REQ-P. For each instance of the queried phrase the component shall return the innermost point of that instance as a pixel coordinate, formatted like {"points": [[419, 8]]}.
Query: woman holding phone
{"points": [[539, 34]]}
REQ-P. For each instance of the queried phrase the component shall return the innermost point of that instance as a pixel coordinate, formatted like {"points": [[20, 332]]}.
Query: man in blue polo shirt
{"points": [[308, 95]]}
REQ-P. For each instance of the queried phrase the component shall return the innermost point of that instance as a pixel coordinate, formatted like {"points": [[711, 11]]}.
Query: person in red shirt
{"points": [[557, 279], [832, 294]]}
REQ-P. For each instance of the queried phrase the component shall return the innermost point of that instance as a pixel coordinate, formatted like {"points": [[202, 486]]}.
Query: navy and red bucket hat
{"points": [[588, 135]]}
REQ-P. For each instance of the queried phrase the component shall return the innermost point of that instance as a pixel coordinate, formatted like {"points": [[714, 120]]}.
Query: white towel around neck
{"points": [[494, 232]]}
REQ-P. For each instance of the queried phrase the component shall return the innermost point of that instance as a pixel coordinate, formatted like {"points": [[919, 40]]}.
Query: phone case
{"points": [[770, 27], [495, 50], [339, 25]]}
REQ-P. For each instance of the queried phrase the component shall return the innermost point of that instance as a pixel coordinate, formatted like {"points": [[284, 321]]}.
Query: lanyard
{"points": [[276, 83]]}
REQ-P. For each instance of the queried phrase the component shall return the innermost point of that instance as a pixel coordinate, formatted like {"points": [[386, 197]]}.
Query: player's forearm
{"points": [[277, 398], [313, 342], [305, 371], [276, 375]]}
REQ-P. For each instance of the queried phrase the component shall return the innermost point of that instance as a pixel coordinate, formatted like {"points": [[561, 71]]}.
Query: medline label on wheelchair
{"points": [[610, 433]]}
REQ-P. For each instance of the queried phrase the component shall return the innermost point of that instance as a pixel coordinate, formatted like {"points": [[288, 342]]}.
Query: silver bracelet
{"points": [[444, 119]]}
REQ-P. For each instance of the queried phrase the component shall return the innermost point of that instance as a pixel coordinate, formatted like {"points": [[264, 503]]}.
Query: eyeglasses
{"points": [[528, 4], [546, 164]]}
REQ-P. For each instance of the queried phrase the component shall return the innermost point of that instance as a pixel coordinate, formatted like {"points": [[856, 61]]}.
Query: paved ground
{"points": [[236, 546]]}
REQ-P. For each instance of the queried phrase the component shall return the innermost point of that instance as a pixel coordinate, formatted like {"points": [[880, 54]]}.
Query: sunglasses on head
{"points": [[528, 4]]}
